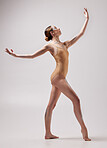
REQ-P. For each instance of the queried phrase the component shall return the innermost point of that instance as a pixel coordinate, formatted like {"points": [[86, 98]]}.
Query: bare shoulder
{"points": [[65, 44], [70, 42], [50, 48], [46, 47]]}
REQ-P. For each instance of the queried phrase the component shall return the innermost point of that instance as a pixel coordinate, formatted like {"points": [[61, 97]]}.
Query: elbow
{"points": [[82, 33]]}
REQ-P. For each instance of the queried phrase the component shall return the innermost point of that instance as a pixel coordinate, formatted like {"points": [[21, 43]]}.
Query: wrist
{"points": [[13, 54], [87, 18]]}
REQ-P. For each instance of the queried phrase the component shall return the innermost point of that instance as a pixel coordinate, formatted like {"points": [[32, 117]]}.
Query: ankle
{"points": [[48, 133]]}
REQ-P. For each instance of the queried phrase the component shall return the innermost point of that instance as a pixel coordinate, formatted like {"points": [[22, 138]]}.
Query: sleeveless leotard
{"points": [[61, 57]]}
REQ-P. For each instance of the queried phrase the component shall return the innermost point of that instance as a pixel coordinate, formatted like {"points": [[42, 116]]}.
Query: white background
{"points": [[25, 83]]}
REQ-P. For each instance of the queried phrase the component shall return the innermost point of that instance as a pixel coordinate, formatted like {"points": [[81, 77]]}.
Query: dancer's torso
{"points": [[61, 56]]}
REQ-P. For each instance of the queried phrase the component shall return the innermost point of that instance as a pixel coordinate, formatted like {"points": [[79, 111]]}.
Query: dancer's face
{"points": [[56, 31]]}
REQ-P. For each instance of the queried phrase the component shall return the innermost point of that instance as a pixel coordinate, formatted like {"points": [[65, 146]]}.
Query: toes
{"points": [[87, 139], [51, 137]]}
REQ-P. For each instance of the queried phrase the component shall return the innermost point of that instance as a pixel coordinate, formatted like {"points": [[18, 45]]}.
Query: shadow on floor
{"points": [[80, 138], [71, 138]]}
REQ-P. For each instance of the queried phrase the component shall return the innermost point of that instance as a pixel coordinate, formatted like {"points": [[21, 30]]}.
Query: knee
{"points": [[50, 107], [54, 106]]}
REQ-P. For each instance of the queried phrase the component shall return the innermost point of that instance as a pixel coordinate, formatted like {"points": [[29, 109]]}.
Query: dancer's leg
{"points": [[66, 89], [55, 93]]}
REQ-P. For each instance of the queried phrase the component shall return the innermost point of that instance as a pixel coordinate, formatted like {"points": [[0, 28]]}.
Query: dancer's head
{"points": [[51, 32]]}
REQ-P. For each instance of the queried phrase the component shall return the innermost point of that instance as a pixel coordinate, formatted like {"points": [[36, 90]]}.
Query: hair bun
{"points": [[46, 38]]}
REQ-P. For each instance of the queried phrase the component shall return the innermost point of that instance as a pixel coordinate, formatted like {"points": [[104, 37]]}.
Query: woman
{"points": [[59, 50]]}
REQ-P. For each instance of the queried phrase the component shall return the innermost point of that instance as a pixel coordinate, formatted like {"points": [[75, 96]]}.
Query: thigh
{"points": [[55, 93], [63, 85]]}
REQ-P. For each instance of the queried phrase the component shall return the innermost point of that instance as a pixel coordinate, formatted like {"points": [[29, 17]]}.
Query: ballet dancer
{"points": [[59, 50]]}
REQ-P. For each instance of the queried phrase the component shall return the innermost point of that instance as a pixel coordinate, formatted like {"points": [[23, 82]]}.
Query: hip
{"points": [[56, 75]]}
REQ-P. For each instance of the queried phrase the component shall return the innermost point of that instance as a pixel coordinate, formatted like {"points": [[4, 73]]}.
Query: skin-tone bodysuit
{"points": [[61, 56]]}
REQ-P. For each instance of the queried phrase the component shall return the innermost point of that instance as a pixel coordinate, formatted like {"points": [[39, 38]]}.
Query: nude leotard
{"points": [[61, 57]]}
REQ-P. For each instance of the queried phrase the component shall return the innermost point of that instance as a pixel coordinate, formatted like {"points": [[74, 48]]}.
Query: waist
{"points": [[60, 72], [62, 67]]}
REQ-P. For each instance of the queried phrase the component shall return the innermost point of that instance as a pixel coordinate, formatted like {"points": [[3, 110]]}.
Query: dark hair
{"points": [[48, 36]]}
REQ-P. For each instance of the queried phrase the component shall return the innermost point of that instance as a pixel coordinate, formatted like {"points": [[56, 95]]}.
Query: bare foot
{"points": [[85, 134], [50, 136]]}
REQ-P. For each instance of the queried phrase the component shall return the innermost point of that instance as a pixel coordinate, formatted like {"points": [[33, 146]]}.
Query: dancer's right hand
{"points": [[11, 53], [7, 50]]}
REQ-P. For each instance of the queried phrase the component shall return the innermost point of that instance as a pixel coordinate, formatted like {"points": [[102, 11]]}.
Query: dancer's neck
{"points": [[56, 40]]}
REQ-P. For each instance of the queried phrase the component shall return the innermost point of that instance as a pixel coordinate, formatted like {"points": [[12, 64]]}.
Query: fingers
{"points": [[85, 9], [6, 50], [86, 13], [11, 50]]}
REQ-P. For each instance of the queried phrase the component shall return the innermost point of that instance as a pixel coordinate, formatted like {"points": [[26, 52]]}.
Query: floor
{"points": [[75, 142], [23, 127]]}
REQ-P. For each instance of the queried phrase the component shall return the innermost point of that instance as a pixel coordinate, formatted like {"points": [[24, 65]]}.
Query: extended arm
{"points": [[72, 41], [37, 53]]}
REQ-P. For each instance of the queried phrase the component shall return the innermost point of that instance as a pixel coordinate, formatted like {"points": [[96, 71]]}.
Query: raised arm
{"points": [[72, 41], [37, 53]]}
